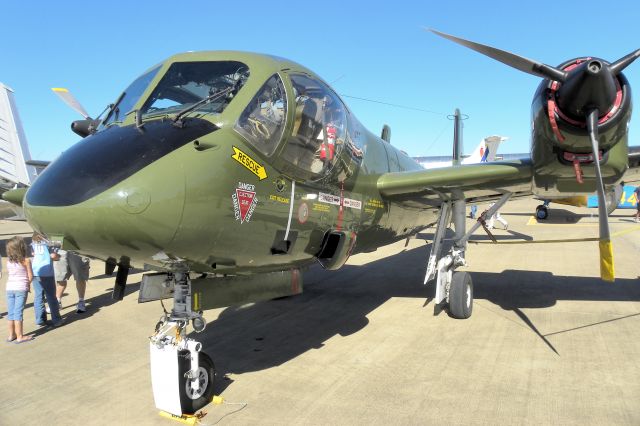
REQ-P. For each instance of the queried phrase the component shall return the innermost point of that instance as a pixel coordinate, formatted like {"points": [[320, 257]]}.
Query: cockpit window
{"points": [[129, 97], [263, 121], [319, 130], [186, 83]]}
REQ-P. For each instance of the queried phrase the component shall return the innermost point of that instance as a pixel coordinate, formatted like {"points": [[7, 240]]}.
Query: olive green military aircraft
{"points": [[227, 173]]}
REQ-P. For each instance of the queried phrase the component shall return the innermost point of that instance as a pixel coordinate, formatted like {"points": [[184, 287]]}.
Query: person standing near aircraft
{"points": [[19, 280], [69, 264], [43, 282], [636, 192], [497, 217]]}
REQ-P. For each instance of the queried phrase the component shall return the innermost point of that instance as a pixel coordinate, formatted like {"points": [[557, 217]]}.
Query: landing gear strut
{"points": [[182, 376], [452, 287]]}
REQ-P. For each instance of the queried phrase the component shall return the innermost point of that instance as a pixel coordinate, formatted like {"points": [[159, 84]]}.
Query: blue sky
{"points": [[368, 50]]}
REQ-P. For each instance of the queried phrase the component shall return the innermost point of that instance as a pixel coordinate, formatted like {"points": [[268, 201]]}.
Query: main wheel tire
{"points": [[190, 400], [461, 295], [613, 198], [542, 212]]}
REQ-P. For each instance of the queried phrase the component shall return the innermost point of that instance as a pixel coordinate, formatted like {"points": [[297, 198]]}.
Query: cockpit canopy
{"points": [[319, 131], [127, 99], [292, 116], [186, 83], [183, 85], [262, 122], [317, 135]]}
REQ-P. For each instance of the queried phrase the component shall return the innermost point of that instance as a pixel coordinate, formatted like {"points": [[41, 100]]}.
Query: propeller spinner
{"points": [[587, 92]]}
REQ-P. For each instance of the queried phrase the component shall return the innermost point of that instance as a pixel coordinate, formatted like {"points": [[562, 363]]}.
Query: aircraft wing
{"points": [[482, 181], [475, 182]]}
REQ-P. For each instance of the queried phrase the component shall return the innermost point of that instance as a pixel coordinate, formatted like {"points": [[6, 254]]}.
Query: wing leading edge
{"points": [[472, 181]]}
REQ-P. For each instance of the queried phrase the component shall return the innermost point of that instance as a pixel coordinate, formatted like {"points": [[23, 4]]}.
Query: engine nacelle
{"points": [[560, 145]]}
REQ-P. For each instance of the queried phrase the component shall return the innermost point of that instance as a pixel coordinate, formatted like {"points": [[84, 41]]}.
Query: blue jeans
{"points": [[15, 304], [45, 286]]}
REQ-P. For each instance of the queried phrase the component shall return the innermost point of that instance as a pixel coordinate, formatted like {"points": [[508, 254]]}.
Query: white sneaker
{"points": [[81, 307], [47, 309]]}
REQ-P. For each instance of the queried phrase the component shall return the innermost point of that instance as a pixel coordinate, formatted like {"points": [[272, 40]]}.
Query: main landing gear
{"points": [[453, 288], [182, 376], [542, 211]]}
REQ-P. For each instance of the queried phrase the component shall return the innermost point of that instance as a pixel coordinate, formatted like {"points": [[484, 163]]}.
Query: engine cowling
{"points": [[561, 149]]}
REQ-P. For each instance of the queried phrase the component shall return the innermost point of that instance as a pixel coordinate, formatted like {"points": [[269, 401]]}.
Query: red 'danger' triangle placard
{"points": [[245, 204]]}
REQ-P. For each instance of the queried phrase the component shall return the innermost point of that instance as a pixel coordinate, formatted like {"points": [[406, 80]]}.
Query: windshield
{"points": [[319, 130], [129, 97], [187, 83], [263, 120]]}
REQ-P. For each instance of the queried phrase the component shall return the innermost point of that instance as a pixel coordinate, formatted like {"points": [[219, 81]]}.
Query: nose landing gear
{"points": [[182, 376], [542, 211]]}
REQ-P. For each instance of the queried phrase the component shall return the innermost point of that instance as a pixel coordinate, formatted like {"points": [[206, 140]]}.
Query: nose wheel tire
{"points": [[542, 212], [199, 324], [191, 399], [461, 295]]}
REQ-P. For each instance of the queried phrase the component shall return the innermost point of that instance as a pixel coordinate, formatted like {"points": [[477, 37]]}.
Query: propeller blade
{"points": [[606, 249], [518, 62], [70, 100], [624, 62]]}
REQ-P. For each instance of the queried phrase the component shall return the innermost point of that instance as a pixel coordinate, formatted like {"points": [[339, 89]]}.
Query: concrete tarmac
{"points": [[548, 342]]}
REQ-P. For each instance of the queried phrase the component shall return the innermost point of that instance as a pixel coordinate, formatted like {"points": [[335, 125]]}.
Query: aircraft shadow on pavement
{"points": [[480, 235], [93, 306], [267, 334], [558, 216], [515, 290], [561, 216], [112, 276]]}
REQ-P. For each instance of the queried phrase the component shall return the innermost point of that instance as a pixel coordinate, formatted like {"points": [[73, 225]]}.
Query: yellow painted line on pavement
{"points": [[533, 222], [626, 231], [565, 240]]}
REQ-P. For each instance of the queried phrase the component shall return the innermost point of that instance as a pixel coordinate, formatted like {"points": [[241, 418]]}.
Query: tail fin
{"points": [[486, 150], [14, 149]]}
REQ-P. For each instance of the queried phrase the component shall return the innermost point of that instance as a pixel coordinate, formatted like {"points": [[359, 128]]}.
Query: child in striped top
{"points": [[18, 286]]}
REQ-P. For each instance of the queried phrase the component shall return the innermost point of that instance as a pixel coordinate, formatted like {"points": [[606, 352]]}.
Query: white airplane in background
{"points": [[15, 170], [484, 152]]}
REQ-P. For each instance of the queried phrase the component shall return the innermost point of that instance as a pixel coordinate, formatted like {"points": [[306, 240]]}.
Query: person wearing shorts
{"points": [[71, 264], [44, 283]]}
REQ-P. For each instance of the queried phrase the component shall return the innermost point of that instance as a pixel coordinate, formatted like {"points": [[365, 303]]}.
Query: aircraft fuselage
{"points": [[200, 194]]}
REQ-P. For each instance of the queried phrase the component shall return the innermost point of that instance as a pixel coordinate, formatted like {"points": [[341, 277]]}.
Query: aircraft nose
{"points": [[133, 219], [117, 193]]}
